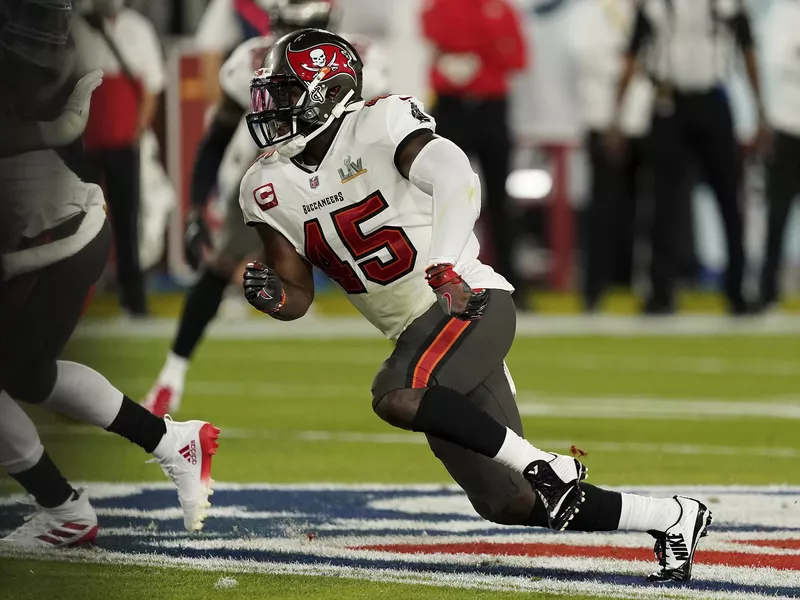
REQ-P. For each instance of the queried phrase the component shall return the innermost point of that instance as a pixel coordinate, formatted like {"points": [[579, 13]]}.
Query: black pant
{"points": [[480, 128], [610, 218], [783, 184], [118, 170], [701, 127], [39, 312]]}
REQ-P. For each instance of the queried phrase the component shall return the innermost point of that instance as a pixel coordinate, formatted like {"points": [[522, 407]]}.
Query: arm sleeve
{"points": [[742, 30], [782, 44], [642, 33], [219, 30], [395, 120], [508, 48], [209, 157], [442, 170], [154, 77]]}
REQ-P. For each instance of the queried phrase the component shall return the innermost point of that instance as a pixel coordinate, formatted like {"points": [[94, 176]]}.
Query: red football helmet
{"points": [[308, 79]]}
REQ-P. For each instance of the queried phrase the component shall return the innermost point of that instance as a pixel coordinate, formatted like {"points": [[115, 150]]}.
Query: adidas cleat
{"points": [[163, 399], [557, 483], [675, 547], [184, 455], [70, 525]]}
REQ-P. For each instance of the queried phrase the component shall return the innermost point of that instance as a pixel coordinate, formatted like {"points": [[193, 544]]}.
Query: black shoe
{"points": [[675, 548], [558, 484], [658, 308], [739, 307]]}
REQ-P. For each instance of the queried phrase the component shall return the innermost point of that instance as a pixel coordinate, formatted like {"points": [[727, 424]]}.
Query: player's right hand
{"points": [[196, 238], [263, 288], [456, 297]]}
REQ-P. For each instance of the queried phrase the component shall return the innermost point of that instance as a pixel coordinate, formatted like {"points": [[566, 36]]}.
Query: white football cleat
{"points": [[184, 455], [676, 546], [70, 525], [163, 399]]}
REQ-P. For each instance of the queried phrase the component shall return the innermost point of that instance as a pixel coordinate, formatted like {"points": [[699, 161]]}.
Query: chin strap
{"points": [[293, 147]]}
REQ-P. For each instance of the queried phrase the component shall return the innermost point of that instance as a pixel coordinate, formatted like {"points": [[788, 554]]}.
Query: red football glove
{"points": [[455, 297]]}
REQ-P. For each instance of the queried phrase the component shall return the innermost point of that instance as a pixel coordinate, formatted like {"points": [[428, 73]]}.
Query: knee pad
{"points": [[34, 382]]}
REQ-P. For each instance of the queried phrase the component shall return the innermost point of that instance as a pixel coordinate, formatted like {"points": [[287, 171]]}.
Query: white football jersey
{"points": [[357, 219], [234, 79]]}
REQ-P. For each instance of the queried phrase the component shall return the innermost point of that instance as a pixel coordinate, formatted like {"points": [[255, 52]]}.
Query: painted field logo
{"points": [[430, 534]]}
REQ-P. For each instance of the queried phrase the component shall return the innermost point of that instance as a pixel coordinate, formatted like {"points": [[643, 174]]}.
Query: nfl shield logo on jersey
{"points": [[314, 182]]}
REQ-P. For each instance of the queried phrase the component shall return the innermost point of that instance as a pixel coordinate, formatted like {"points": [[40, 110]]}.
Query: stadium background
{"points": [[552, 170]]}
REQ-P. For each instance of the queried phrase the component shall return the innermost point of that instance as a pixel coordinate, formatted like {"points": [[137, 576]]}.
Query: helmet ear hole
{"points": [[333, 92]]}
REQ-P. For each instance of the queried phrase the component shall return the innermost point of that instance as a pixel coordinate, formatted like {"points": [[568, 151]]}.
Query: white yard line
{"points": [[354, 437], [469, 581], [527, 325], [701, 365], [531, 404]]}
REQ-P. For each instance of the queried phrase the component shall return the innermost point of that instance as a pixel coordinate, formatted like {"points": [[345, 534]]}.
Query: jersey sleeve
{"points": [[237, 71], [252, 188], [396, 119]]}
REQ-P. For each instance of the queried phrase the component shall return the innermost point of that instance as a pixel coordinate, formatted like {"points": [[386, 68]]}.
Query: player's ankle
{"points": [[517, 453], [136, 424]]}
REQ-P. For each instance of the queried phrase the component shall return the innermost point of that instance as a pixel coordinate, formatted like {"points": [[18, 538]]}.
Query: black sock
{"points": [[45, 483], [450, 416], [600, 511], [201, 306], [138, 425]]}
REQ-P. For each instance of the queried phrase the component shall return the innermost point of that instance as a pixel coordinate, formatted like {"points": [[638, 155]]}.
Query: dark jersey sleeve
{"points": [[742, 29], [642, 33]]}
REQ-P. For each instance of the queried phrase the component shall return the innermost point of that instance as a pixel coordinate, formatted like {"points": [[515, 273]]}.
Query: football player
{"points": [[367, 192], [54, 242], [225, 153]]}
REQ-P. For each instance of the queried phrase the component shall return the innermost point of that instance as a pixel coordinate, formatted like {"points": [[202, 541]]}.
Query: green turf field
{"points": [[647, 410]]}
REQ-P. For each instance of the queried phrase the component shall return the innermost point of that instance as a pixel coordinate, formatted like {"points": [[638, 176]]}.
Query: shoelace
{"points": [[660, 549]]}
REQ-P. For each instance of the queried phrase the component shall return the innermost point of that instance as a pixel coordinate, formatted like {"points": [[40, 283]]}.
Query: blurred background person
{"points": [[782, 49], [689, 47], [478, 46], [125, 46], [599, 31], [227, 23], [224, 155]]}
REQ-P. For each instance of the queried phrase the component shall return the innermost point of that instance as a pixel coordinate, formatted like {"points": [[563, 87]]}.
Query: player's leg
{"points": [[477, 433], [436, 363], [32, 346], [63, 515], [236, 241]]}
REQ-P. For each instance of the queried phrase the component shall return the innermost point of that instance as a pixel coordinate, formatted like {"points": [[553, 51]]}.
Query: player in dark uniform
{"points": [[54, 241], [389, 216]]}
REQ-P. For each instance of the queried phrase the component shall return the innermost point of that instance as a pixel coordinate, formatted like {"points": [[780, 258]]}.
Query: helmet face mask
{"points": [[308, 79]]}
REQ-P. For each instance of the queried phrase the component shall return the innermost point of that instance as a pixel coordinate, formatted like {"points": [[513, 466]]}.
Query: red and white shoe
{"points": [[184, 455], [70, 525], [163, 399]]}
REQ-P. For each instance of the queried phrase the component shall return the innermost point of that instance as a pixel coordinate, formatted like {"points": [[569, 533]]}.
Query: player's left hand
{"points": [[456, 297], [263, 288]]}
